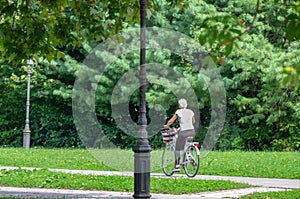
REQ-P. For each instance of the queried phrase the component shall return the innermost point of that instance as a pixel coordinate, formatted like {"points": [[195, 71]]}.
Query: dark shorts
{"points": [[180, 142]]}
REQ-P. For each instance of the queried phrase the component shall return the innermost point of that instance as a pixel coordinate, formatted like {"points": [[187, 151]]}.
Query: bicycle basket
{"points": [[167, 135]]}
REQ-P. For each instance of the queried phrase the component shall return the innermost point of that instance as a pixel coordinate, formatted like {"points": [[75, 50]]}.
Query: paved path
{"points": [[59, 193], [263, 182], [265, 185]]}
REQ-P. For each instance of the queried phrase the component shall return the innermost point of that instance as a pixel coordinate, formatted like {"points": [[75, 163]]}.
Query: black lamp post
{"points": [[26, 132], [142, 148]]}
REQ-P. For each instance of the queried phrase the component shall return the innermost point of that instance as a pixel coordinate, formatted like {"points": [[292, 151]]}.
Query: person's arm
{"points": [[170, 121], [193, 120]]}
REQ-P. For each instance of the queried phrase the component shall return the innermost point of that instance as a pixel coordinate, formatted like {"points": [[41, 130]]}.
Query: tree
{"points": [[49, 31], [254, 48], [262, 107], [278, 20], [35, 28]]}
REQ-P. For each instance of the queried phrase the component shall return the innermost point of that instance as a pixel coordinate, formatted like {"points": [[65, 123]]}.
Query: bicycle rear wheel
{"points": [[168, 159], [191, 161]]}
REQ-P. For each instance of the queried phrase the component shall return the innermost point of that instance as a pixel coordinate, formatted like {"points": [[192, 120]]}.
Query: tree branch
{"points": [[252, 22]]}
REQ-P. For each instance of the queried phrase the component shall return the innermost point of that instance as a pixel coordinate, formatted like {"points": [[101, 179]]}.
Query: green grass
{"points": [[233, 163], [50, 158], [294, 194], [47, 179], [253, 164]]}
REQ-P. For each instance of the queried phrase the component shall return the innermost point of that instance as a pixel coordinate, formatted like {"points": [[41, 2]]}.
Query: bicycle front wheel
{"points": [[168, 159], [191, 161]]}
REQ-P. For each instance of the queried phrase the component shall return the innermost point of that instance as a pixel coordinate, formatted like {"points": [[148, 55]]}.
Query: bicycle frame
{"points": [[196, 144], [189, 157], [187, 144]]}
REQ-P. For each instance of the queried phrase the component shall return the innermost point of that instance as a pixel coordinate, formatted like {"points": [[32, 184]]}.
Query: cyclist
{"points": [[186, 118]]}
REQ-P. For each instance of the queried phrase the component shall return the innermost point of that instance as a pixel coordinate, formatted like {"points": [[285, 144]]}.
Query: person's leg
{"points": [[177, 161], [180, 145], [180, 142]]}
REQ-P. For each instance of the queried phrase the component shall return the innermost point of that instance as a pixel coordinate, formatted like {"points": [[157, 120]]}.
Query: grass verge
{"points": [[47, 179], [253, 164], [232, 163], [274, 195]]}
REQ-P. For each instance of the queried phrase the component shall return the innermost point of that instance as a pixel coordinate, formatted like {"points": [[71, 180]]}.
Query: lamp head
{"points": [[30, 62]]}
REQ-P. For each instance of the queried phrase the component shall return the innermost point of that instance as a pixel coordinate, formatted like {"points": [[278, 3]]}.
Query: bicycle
{"points": [[190, 161]]}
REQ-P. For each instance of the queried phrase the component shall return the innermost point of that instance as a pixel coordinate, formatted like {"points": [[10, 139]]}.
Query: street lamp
{"points": [[142, 148], [26, 132]]}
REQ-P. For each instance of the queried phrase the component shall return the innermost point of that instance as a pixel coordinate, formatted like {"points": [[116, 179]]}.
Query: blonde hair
{"points": [[182, 103]]}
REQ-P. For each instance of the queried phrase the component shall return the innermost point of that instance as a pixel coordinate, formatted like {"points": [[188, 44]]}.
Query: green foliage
{"points": [[50, 111], [293, 24], [39, 28], [12, 110], [261, 79], [254, 43], [262, 107]]}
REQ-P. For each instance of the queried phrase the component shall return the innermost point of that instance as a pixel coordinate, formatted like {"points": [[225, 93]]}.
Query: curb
{"points": [[62, 193]]}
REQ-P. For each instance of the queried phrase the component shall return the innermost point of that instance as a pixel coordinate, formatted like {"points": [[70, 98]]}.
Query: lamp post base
{"points": [[142, 151], [142, 175], [26, 140]]}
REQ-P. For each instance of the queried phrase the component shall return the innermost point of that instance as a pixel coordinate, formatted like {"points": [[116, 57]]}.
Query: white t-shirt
{"points": [[185, 117]]}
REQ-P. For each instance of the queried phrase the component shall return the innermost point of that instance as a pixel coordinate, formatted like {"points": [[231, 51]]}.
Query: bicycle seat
{"points": [[190, 138]]}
